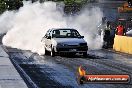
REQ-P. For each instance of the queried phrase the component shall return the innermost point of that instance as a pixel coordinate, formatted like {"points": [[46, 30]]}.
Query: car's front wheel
{"points": [[52, 53], [46, 52]]}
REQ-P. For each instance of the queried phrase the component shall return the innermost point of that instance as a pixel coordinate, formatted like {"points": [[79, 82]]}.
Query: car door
{"points": [[48, 41], [45, 40]]}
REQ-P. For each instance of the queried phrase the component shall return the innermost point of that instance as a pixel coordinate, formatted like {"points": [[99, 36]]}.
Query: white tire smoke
{"points": [[27, 26]]}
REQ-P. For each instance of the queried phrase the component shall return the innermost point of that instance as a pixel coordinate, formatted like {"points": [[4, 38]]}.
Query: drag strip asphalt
{"points": [[60, 71]]}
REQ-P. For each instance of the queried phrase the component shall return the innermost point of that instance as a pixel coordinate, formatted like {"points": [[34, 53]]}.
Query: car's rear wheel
{"points": [[85, 54], [52, 53]]}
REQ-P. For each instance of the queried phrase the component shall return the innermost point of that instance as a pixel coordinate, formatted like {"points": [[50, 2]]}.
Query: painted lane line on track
{"points": [[24, 74]]}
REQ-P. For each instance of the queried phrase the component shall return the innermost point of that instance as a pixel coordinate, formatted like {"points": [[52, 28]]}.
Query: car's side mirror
{"points": [[81, 36], [48, 37]]}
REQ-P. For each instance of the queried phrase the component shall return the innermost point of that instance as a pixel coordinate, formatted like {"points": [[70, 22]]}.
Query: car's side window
{"points": [[47, 34], [50, 32]]}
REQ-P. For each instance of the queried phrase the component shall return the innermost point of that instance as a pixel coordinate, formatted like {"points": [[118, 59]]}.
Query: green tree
{"points": [[3, 6], [10, 5], [68, 1], [75, 1], [14, 4]]}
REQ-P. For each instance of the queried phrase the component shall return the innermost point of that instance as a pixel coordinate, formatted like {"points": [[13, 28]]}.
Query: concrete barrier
{"points": [[9, 76], [123, 44]]}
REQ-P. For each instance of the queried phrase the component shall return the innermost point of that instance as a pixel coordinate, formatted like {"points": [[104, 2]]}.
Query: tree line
{"points": [[16, 4], [10, 5]]}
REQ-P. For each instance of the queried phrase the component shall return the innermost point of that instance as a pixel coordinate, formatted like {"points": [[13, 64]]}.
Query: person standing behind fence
{"points": [[106, 37], [112, 35], [120, 30]]}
